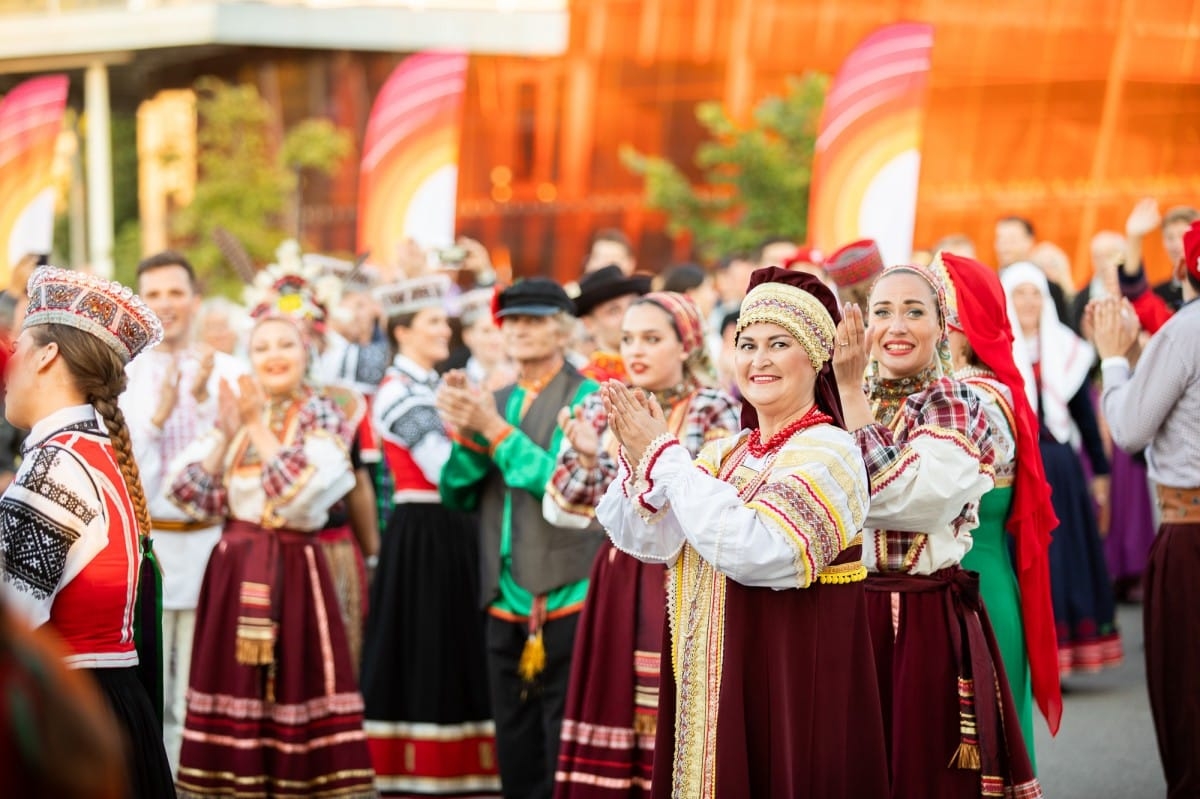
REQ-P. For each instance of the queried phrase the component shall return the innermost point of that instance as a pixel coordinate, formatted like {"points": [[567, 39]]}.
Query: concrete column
{"points": [[99, 170]]}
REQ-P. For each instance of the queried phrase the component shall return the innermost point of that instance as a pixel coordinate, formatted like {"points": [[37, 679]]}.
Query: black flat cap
{"points": [[534, 296]]}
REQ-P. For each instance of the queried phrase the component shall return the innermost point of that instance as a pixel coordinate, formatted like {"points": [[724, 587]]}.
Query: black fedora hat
{"points": [[606, 284]]}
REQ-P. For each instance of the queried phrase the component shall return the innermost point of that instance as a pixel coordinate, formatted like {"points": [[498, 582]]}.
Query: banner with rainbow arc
{"points": [[31, 117], [408, 177], [868, 152]]}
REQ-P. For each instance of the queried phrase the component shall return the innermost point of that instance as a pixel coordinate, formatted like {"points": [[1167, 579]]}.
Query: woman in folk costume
{"points": [[1055, 364], [951, 723], [424, 679], [768, 687], [301, 287], [1016, 595], [273, 703], [612, 703], [74, 514]]}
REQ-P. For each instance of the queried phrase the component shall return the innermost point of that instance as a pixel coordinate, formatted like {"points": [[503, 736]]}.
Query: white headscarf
{"points": [[1065, 358]]}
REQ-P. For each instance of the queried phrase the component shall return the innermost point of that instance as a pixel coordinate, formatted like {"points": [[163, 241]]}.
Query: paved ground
{"points": [[1105, 748]]}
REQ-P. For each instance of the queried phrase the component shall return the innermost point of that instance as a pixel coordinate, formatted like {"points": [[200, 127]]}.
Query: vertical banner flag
{"points": [[31, 117], [408, 178], [868, 153]]}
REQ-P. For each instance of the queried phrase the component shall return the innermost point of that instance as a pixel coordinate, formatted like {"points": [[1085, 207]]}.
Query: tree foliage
{"points": [[248, 183], [756, 176]]}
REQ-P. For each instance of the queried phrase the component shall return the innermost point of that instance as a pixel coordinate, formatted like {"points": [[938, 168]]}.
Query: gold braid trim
{"points": [[797, 312]]}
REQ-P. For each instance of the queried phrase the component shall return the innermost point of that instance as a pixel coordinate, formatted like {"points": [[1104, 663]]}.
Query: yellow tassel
{"points": [[255, 651], [270, 690], [533, 658], [645, 722], [966, 756]]}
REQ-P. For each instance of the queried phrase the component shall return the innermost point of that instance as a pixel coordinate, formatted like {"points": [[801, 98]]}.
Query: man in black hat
{"points": [[604, 296], [533, 575]]}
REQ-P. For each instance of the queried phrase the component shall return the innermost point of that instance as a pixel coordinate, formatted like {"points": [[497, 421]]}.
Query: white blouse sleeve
{"points": [[54, 525], [652, 538], [807, 511]]}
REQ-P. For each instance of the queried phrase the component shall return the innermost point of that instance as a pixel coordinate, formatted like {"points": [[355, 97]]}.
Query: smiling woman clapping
{"points": [[766, 661]]}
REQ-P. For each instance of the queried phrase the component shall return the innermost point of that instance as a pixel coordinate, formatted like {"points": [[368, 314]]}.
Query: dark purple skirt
{"points": [[295, 726], [799, 712], [948, 712], [610, 718], [1131, 519]]}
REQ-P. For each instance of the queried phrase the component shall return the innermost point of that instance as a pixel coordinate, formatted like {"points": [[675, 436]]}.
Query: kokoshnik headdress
{"points": [[106, 309]]}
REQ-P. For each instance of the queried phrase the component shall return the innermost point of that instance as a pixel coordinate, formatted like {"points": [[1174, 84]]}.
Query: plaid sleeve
{"points": [[952, 411], [573, 487], [199, 494], [948, 411], [878, 448], [282, 474]]}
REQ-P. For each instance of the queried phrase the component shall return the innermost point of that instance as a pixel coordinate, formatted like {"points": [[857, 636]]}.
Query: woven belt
{"points": [[1179, 505], [174, 526]]}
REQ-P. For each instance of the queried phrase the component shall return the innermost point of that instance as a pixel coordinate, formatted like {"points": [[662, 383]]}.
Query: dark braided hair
{"points": [[100, 376]]}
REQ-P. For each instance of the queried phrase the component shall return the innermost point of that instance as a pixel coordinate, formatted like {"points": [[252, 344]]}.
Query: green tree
{"points": [[246, 184], [756, 176]]}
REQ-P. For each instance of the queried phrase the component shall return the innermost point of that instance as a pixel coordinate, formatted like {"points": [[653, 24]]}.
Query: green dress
{"points": [[991, 556]]}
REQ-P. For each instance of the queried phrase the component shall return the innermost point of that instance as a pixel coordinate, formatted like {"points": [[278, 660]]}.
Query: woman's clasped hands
{"points": [[634, 417]]}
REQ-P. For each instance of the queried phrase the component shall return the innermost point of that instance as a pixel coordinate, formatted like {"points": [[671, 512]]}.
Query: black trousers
{"points": [[528, 715]]}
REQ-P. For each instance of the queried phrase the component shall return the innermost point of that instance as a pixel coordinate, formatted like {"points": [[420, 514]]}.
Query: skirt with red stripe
{"points": [[611, 713], [424, 678], [290, 729]]}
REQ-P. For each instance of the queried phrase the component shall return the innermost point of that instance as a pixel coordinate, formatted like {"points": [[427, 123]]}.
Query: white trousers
{"points": [[178, 628]]}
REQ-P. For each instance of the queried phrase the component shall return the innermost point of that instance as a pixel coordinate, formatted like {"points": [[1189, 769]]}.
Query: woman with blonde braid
{"points": [[71, 521]]}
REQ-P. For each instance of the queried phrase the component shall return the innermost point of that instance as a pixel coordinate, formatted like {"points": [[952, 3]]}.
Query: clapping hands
{"points": [[634, 417], [1113, 326]]}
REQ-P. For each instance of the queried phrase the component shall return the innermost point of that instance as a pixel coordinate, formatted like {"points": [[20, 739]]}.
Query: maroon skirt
{"points": [[294, 727], [611, 713], [949, 716], [798, 705]]}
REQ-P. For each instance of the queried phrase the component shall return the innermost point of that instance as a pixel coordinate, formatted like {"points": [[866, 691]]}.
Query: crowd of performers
{"points": [[825, 528]]}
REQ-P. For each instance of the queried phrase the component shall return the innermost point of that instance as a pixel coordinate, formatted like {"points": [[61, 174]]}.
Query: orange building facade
{"points": [[1063, 111]]}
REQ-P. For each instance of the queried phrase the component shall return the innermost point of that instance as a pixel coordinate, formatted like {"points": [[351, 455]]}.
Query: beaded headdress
{"points": [[796, 311], [293, 286], [938, 267], [109, 311], [412, 295]]}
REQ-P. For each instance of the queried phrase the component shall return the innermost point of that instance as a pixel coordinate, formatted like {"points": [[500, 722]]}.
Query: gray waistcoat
{"points": [[544, 557]]}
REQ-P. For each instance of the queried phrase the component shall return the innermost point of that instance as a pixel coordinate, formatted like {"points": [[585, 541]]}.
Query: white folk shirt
{"points": [[183, 556]]}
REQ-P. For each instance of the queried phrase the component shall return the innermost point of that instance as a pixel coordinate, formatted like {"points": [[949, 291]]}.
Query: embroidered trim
{"points": [[642, 479]]}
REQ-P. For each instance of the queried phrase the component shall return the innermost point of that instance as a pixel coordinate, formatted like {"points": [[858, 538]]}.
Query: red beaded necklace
{"points": [[758, 449]]}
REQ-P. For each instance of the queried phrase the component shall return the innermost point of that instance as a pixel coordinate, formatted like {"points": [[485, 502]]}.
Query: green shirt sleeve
{"points": [[463, 472], [523, 463]]}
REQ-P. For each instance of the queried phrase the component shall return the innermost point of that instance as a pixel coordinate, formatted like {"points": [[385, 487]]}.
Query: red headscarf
{"points": [[826, 390], [1191, 250], [983, 317]]}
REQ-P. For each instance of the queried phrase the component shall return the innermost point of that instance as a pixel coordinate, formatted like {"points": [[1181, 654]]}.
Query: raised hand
{"points": [[1144, 219], [635, 421], [206, 357], [1114, 327], [851, 348], [580, 434], [250, 400], [228, 418], [168, 396]]}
